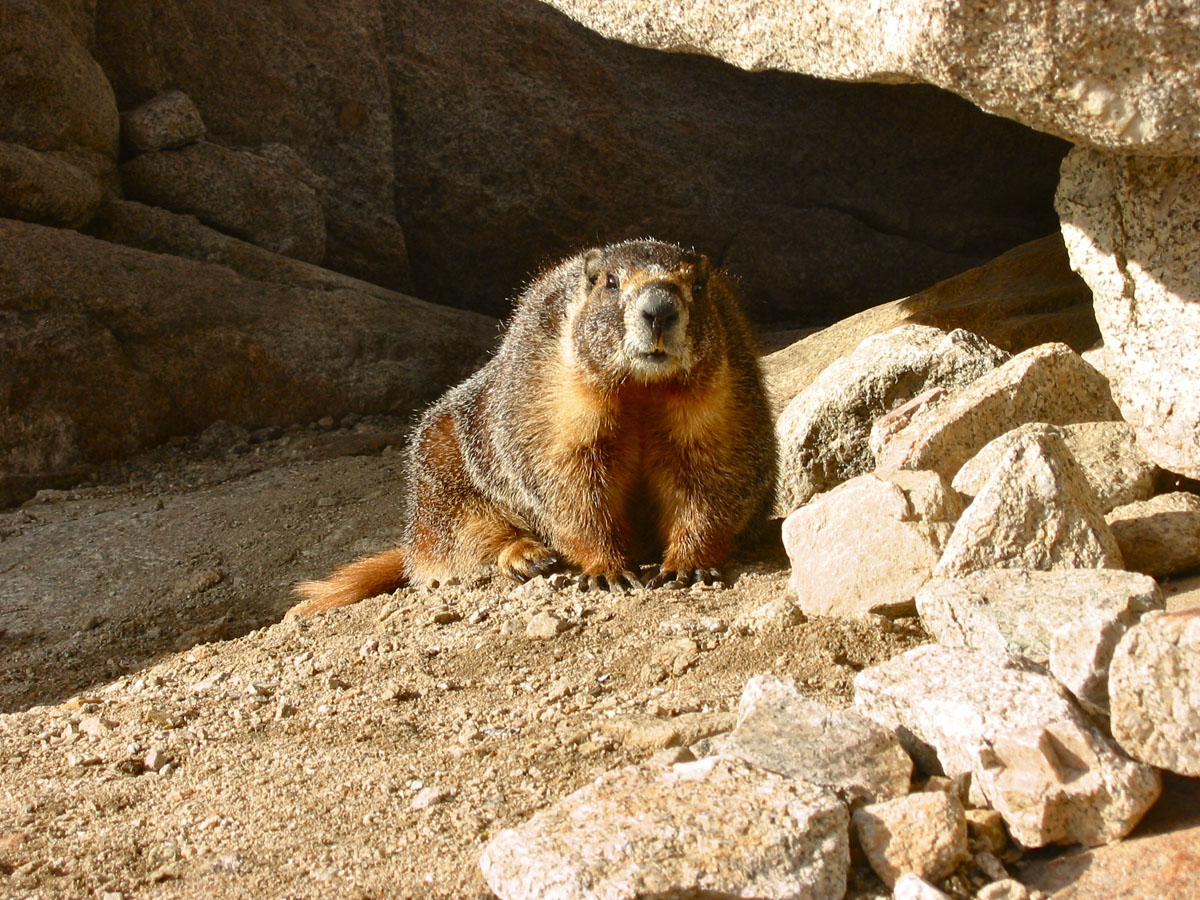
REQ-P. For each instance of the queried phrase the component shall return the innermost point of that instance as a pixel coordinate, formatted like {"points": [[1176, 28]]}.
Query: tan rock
{"points": [[1035, 511], [781, 730], [1129, 224], [1107, 453], [1118, 75], [1031, 754], [47, 188], [823, 433], [913, 887], [1154, 686], [1024, 297], [713, 826], [923, 833], [1160, 536], [1070, 619], [1048, 383], [900, 523]]}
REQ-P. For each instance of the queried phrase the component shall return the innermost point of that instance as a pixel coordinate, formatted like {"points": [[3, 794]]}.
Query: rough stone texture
{"points": [[913, 887], [1031, 754], [823, 432], [900, 524], [172, 345], [59, 104], [1130, 228], [1159, 861], [1004, 889], [168, 120], [781, 730], [923, 833], [1154, 683], [1117, 75], [1159, 536], [1035, 511], [1107, 452], [1023, 298], [717, 826], [46, 188], [1049, 383], [238, 192], [1024, 612]]}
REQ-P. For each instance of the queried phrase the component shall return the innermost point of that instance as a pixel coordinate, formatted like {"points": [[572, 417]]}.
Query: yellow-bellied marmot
{"points": [[623, 415]]}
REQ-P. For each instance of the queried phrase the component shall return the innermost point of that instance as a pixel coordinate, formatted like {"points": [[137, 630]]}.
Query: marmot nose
{"points": [[659, 308]]}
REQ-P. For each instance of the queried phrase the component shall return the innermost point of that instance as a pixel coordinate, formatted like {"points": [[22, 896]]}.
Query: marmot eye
{"points": [[611, 282], [699, 285]]}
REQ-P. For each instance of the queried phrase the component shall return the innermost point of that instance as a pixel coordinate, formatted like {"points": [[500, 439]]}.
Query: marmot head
{"points": [[640, 312]]}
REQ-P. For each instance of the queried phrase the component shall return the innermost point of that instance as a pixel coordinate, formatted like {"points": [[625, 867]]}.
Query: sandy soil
{"points": [[167, 735]]}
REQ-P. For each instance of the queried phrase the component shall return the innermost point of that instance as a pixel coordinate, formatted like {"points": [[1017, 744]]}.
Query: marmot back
{"points": [[623, 417]]}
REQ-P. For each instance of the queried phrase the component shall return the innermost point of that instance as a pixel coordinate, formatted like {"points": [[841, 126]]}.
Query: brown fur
{"points": [[622, 417]]}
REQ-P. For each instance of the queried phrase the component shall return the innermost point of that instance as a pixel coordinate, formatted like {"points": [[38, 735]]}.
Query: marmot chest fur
{"points": [[623, 416]]}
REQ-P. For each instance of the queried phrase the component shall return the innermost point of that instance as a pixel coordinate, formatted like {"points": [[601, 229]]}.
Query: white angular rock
{"points": [[897, 525], [1107, 453], [1159, 536], [783, 731], [1154, 687], [1114, 74], [922, 833], [716, 825], [823, 433], [1130, 228], [1048, 383], [1035, 511], [914, 887], [1031, 754], [1070, 619]]}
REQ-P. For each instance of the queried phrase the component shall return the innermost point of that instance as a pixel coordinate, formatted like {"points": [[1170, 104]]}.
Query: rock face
{"points": [[923, 833], [237, 192], [1070, 619], [717, 826], [1031, 753], [1154, 686], [823, 432], [60, 113], [900, 523], [781, 730], [1129, 225], [166, 121], [174, 345], [1159, 536], [1048, 383], [1121, 76], [1107, 452], [1035, 511]]}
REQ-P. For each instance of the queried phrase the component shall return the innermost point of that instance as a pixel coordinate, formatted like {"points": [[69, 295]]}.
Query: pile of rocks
{"points": [[1000, 498]]}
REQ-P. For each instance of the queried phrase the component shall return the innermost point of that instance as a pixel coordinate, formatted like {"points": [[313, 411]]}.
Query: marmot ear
{"points": [[591, 266]]}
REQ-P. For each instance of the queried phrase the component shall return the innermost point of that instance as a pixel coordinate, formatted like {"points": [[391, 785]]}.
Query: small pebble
{"points": [[545, 627]]}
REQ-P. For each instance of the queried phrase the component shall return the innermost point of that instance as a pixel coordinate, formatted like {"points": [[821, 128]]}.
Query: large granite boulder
{"points": [[108, 349], [58, 120], [1122, 75]]}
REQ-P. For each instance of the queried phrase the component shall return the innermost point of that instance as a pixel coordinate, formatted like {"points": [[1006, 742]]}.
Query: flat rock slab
{"points": [[823, 433], [1107, 452], [1049, 383], [1154, 686], [1159, 536], [781, 730], [900, 523], [714, 827], [1070, 619], [1032, 755], [1035, 511]]}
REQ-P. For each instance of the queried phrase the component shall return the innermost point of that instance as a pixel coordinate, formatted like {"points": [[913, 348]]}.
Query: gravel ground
{"points": [[166, 735]]}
